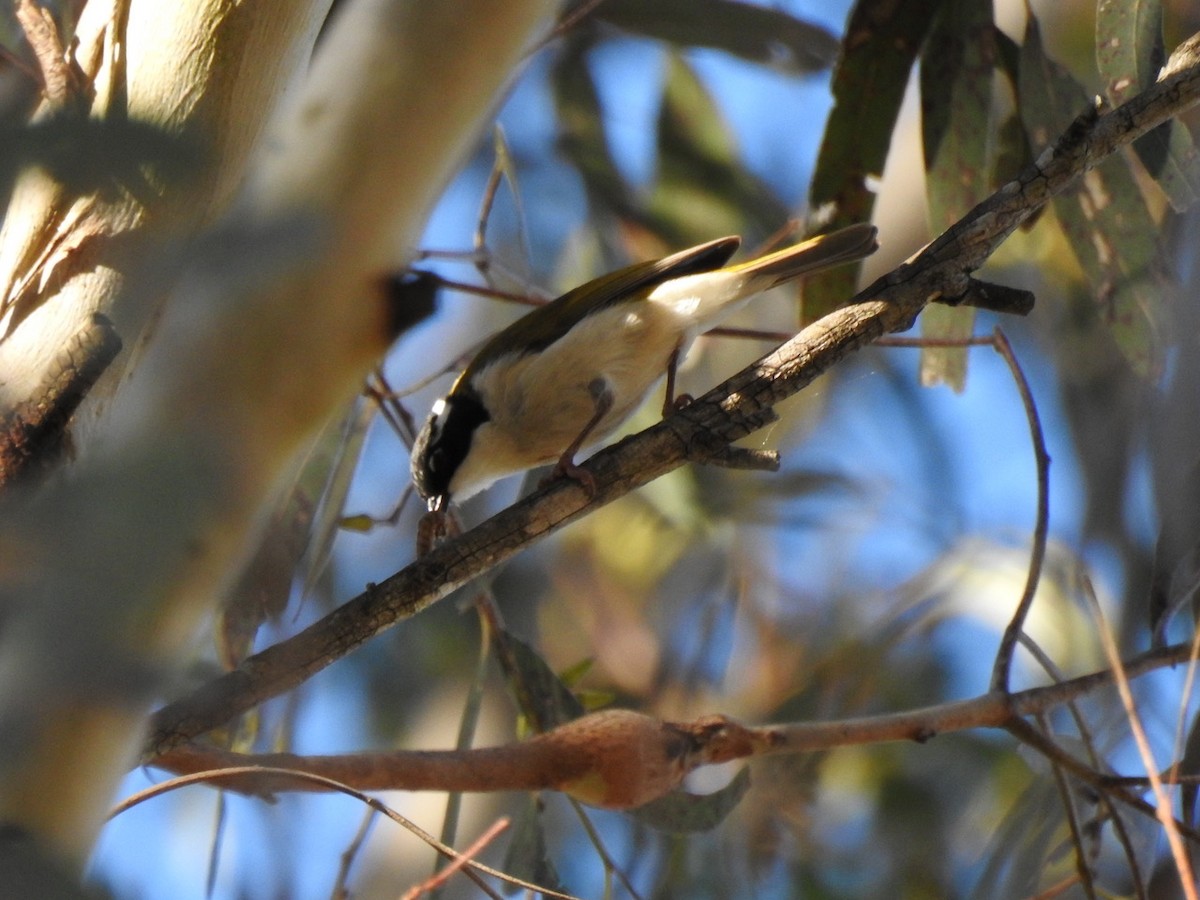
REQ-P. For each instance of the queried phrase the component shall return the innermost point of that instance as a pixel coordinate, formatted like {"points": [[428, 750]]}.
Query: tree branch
{"points": [[623, 759], [736, 408]]}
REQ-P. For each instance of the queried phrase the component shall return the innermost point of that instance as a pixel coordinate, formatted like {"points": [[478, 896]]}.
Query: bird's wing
{"points": [[544, 325]]}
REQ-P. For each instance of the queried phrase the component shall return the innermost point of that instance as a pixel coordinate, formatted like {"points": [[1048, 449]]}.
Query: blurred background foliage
{"points": [[874, 573]]}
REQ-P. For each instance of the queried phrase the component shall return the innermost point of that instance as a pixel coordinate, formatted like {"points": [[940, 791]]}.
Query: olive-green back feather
{"points": [[544, 325]]}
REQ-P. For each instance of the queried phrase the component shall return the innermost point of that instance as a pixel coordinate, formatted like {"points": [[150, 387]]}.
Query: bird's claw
{"points": [[567, 468]]}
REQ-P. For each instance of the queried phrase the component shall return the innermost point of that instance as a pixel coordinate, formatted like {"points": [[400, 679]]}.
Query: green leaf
{"points": [[540, 694], [572, 675], [1129, 54], [1013, 153], [527, 857], [755, 33], [957, 75], [702, 189], [957, 72], [582, 138], [1025, 845], [298, 538], [881, 45], [334, 458], [682, 813], [1103, 215]]}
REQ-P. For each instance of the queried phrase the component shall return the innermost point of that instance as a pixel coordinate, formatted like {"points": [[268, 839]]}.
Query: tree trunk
{"points": [[249, 299]]}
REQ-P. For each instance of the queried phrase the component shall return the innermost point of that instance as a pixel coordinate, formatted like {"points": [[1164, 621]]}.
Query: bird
{"points": [[570, 372]]}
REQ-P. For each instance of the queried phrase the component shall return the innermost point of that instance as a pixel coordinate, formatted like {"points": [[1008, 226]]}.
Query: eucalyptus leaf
{"points": [[298, 537], [527, 857], [1104, 215], [1019, 852], [957, 75], [1129, 54], [868, 88], [682, 813], [583, 139], [755, 33], [541, 695], [702, 189]]}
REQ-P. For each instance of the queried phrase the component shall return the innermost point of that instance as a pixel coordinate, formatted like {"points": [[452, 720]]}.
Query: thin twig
{"points": [[1057, 890], [350, 854], [1110, 810], [1162, 802], [1008, 642], [565, 24], [610, 865], [1083, 871], [439, 879], [1035, 740], [482, 257], [217, 775], [1180, 725], [469, 721]]}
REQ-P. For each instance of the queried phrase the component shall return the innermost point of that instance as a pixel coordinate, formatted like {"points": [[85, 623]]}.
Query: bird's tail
{"points": [[706, 298], [821, 252]]}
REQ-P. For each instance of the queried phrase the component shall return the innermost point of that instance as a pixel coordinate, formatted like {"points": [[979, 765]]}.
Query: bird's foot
{"points": [[567, 468]]}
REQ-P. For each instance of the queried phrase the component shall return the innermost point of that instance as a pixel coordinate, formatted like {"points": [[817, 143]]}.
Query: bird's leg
{"points": [[602, 397], [670, 401]]}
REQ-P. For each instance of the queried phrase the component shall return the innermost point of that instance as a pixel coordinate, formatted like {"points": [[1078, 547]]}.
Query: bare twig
{"points": [[350, 854], [438, 879], [471, 867], [1162, 802], [1083, 871], [562, 759], [1008, 642], [1110, 810], [1037, 741], [610, 865]]}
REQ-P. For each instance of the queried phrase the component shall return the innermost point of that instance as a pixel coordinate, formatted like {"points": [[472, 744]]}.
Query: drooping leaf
{"points": [[542, 697], [755, 33], [527, 857], [297, 541], [881, 45], [1013, 153], [336, 453], [1129, 54], [957, 71], [702, 188], [582, 138], [1106, 220], [1019, 853], [682, 813], [957, 74]]}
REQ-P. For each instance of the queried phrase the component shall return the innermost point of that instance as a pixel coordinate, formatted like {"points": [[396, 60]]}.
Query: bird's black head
{"points": [[443, 444]]}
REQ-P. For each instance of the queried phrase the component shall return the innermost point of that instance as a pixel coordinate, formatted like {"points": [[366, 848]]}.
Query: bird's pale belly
{"points": [[553, 397]]}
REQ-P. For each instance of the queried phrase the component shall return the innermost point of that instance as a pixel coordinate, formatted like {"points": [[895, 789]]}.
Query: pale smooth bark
{"points": [[277, 316]]}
